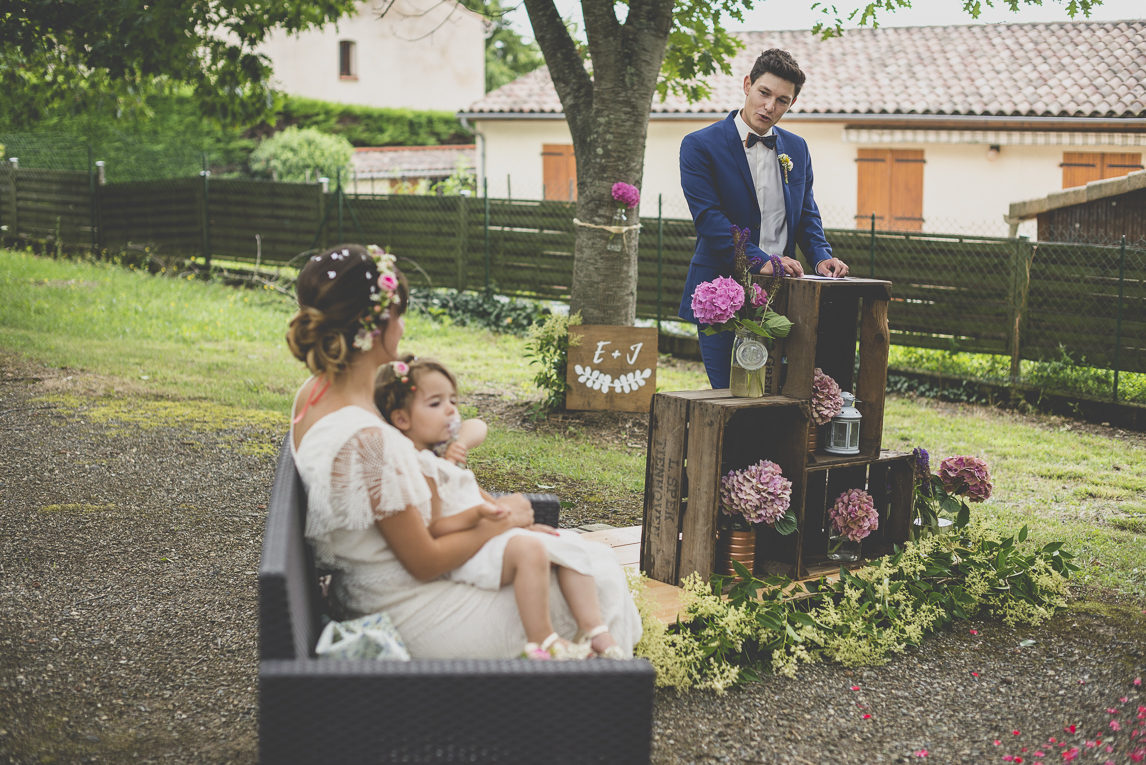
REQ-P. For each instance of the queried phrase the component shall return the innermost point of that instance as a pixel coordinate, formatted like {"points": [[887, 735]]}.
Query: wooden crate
{"points": [[695, 437]]}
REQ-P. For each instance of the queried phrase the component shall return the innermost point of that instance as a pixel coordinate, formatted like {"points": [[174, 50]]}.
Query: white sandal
{"points": [[540, 651], [549, 648], [586, 639]]}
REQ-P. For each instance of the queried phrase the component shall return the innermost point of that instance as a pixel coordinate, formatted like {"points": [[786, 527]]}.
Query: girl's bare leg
{"points": [[526, 565], [580, 593]]}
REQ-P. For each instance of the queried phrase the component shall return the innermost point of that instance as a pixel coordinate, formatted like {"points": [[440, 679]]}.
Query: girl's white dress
{"points": [[358, 469], [458, 491]]}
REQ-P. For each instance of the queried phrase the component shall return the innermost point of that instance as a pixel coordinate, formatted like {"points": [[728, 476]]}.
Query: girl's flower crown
{"points": [[383, 294], [402, 373]]}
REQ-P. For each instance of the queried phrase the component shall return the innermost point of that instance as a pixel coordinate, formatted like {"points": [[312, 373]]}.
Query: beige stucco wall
{"points": [[963, 191], [406, 59]]}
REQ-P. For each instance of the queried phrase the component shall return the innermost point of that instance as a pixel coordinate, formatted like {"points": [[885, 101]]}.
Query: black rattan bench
{"points": [[347, 712]]}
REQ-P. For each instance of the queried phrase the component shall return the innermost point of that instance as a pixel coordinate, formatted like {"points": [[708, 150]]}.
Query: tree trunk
{"points": [[608, 116]]}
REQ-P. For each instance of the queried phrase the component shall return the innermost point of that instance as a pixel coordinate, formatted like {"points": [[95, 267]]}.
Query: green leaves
{"points": [[786, 525]]}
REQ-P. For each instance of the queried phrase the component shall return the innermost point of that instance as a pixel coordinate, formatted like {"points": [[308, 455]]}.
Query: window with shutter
{"points": [[1080, 168], [890, 186], [347, 66], [559, 172]]}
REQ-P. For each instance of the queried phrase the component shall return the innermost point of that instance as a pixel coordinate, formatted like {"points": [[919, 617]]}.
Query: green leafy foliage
{"points": [[461, 180], [776, 624], [479, 309], [294, 155], [370, 126], [547, 346], [82, 52], [507, 54], [699, 46]]}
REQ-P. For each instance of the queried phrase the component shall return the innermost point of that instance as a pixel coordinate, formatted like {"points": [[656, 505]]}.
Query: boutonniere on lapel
{"points": [[786, 163]]}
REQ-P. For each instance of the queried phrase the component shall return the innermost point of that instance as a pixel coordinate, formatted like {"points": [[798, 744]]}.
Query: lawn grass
{"points": [[171, 339]]}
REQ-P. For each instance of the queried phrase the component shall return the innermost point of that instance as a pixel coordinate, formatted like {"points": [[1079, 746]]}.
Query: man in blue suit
{"points": [[745, 171]]}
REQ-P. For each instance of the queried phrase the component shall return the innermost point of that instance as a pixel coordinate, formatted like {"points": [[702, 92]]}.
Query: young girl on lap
{"points": [[419, 398]]}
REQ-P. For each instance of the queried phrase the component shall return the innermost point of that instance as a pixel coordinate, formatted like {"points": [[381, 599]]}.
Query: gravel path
{"points": [[128, 559]]}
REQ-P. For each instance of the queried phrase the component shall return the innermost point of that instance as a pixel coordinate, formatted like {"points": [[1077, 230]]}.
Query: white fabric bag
{"points": [[369, 637]]}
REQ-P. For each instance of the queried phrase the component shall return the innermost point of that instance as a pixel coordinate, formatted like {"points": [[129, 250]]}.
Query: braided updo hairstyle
{"points": [[391, 393], [333, 296]]}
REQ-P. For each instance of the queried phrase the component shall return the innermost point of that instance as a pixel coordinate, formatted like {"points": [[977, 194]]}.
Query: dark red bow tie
{"points": [[767, 140]]}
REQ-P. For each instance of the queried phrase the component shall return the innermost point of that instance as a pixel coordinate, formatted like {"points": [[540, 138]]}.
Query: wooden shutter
{"points": [[1118, 165], [559, 172], [907, 189], [873, 191], [1080, 168]]}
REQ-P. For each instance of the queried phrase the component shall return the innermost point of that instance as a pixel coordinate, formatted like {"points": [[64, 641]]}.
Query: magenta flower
{"points": [[759, 492], [966, 476], [854, 515], [626, 194], [759, 296], [826, 399], [717, 301]]}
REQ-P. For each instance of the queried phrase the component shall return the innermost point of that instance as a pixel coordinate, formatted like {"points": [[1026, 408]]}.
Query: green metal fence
{"points": [[1029, 300]]}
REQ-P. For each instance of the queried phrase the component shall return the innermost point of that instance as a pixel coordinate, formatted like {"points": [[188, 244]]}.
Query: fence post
{"points": [[1118, 321], [508, 186], [92, 199], [461, 250], [14, 230], [1021, 257], [660, 253], [872, 246], [485, 192], [206, 215], [338, 191]]}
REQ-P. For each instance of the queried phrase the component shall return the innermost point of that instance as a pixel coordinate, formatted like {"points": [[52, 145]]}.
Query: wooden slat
{"points": [[875, 342], [705, 441], [664, 479]]}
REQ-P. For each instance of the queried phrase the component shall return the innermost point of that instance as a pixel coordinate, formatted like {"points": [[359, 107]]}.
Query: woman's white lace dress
{"points": [[358, 469], [458, 491]]}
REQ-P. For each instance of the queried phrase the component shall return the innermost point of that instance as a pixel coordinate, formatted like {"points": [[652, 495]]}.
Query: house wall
{"points": [[404, 60], [963, 191]]}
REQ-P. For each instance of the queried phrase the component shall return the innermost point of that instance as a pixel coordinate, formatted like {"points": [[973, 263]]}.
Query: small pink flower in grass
{"points": [[921, 753], [1023, 749], [1069, 729], [1115, 725], [1070, 755], [1040, 754], [1090, 744], [1124, 699], [855, 688], [1138, 755], [1138, 680], [1017, 733], [1050, 740], [974, 632], [998, 742], [1008, 758], [974, 674], [867, 717], [1111, 711]]}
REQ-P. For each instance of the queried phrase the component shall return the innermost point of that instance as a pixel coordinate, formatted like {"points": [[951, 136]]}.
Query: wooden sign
{"points": [[613, 368]]}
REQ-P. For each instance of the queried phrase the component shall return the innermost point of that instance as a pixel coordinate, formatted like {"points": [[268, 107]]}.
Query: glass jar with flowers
{"points": [[853, 517], [827, 401], [757, 494], [940, 501], [736, 304], [627, 197]]}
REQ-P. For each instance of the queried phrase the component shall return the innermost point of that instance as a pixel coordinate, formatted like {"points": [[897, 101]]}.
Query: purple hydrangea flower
{"points": [[717, 301], [966, 476], [759, 492], [854, 515], [627, 194], [827, 400], [922, 467]]}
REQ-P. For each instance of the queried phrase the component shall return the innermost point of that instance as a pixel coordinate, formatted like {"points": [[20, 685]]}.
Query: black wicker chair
{"points": [[347, 712]]}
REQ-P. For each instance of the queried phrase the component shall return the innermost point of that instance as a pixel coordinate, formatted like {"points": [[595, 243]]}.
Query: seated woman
{"points": [[369, 503]]}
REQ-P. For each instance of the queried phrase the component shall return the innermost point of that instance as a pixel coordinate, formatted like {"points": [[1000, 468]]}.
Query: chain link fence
{"points": [[1017, 299]]}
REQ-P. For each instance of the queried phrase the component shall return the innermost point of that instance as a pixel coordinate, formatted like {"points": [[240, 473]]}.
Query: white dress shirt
{"points": [[769, 182]]}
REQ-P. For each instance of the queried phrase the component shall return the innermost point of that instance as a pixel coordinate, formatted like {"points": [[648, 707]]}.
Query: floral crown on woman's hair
{"points": [[383, 295]]}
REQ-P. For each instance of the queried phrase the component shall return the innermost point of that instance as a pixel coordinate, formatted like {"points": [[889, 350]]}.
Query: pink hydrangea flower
{"points": [[967, 476], [759, 492], [854, 515], [626, 194], [826, 399], [717, 301], [759, 296]]}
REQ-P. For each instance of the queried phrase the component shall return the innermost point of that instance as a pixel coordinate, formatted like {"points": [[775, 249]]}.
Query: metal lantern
{"points": [[844, 429]]}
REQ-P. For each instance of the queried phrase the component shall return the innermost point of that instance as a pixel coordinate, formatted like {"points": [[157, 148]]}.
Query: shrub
{"points": [[480, 309], [547, 346], [373, 126], [293, 154]]}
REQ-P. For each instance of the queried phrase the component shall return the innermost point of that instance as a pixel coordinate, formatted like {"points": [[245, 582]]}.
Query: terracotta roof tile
{"points": [[1072, 69]]}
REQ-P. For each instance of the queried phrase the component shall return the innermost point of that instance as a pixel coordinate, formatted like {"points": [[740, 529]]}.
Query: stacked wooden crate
{"points": [[695, 437]]}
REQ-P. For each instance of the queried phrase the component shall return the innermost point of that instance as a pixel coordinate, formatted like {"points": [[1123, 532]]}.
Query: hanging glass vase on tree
{"points": [[736, 304], [627, 197]]}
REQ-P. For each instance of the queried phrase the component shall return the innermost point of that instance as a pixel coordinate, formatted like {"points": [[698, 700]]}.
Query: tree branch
{"points": [[566, 69]]}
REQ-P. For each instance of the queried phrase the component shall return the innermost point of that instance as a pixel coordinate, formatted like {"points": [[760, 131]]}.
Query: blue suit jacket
{"points": [[718, 186]]}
